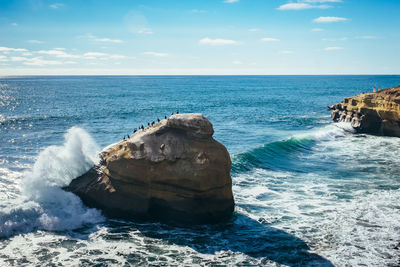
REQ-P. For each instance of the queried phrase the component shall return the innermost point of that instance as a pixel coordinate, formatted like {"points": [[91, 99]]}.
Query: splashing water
{"points": [[43, 204]]}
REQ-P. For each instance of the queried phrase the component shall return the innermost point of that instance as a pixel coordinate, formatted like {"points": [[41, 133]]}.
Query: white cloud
{"points": [[231, 1], [117, 57], [335, 39], [35, 42], [108, 40], [329, 19], [236, 62], [144, 31], [301, 6], [104, 40], [9, 49], [367, 37], [94, 55], [333, 48], [254, 30], [56, 5], [57, 53], [317, 30], [285, 52], [269, 39], [39, 61], [19, 59], [14, 24], [218, 41], [155, 54]]}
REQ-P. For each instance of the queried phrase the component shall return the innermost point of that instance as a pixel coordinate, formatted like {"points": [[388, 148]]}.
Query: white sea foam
{"points": [[345, 208], [329, 132], [346, 126], [43, 204]]}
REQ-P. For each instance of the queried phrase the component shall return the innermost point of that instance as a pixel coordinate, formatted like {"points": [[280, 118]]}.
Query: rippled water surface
{"points": [[308, 192]]}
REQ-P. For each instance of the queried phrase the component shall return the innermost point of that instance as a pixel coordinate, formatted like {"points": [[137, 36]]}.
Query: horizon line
{"points": [[119, 75]]}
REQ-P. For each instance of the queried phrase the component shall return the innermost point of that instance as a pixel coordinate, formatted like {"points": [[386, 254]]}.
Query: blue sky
{"points": [[199, 37]]}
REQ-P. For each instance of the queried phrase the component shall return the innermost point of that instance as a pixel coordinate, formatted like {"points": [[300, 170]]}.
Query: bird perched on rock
{"points": [[158, 120], [177, 112], [134, 130], [152, 123], [165, 117], [148, 124]]}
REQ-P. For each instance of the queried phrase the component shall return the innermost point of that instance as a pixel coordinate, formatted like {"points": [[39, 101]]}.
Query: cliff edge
{"points": [[173, 170], [375, 113]]}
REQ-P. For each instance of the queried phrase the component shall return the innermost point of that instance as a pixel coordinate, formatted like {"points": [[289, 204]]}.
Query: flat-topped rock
{"points": [[173, 170], [376, 113], [194, 123]]}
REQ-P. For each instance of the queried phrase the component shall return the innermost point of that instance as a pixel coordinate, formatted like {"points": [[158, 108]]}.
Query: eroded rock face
{"points": [[173, 170], [376, 113]]}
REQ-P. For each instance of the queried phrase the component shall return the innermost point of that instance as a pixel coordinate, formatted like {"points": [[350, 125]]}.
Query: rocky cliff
{"points": [[375, 113], [173, 170]]}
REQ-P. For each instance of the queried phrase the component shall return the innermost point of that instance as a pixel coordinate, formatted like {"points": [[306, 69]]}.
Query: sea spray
{"points": [[43, 204], [56, 166]]}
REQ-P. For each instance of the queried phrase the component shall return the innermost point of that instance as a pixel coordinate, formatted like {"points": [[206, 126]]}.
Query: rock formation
{"points": [[173, 170], [375, 113]]}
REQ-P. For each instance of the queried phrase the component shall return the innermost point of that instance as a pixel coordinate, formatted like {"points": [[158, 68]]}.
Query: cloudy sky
{"points": [[199, 37]]}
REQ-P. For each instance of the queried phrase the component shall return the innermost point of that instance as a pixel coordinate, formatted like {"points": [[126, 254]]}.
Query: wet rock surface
{"points": [[374, 113], [173, 170]]}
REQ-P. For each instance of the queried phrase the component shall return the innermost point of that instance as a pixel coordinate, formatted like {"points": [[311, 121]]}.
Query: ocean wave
{"points": [[42, 203], [275, 152]]}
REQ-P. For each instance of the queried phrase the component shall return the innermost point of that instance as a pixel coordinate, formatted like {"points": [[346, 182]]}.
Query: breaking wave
{"points": [[42, 203], [276, 154]]}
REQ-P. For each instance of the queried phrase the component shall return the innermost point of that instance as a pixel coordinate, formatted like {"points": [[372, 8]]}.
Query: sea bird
{"points": [[165, 117], [158, 120]]}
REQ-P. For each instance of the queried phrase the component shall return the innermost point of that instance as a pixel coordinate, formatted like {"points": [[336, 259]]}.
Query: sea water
{"points": [[308, 192]]}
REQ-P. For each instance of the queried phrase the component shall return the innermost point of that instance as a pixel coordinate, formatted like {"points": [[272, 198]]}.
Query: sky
{"points": [[203, 37]]}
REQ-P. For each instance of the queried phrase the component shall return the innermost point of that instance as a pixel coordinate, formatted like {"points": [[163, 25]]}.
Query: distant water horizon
{"points": [[185, 75], [307, 191]]}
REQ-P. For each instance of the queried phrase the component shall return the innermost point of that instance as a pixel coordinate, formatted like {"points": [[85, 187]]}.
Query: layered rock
{"points": [[375, 113], [173, 170]]}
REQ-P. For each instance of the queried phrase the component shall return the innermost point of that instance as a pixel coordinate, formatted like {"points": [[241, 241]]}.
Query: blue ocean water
{"points": [[308, 192]]}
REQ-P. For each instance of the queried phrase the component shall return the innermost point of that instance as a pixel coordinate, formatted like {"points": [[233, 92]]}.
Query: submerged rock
{"points": [[173, 170], [375, 113]]}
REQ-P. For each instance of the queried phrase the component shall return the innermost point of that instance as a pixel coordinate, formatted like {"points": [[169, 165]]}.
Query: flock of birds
{"points": [[142, 127]]}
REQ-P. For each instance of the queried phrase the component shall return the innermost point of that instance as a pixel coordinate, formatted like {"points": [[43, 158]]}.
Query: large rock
{"points": [[173, 170], [375, 113]]}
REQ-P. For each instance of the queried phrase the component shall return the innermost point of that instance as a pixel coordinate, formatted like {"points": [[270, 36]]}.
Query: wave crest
{"points": [[43, 204], [277, 154]]}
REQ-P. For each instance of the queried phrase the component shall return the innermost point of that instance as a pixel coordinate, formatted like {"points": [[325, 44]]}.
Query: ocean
{"points": [[308, 192]]}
